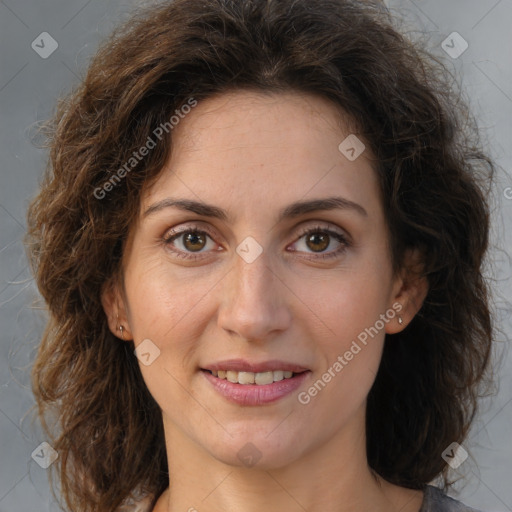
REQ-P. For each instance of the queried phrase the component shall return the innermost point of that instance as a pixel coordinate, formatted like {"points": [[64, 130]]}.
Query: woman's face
{"points": [[240, 279]]}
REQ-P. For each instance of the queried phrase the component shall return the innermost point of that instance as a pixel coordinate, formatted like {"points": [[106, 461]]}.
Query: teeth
{"points": [[245, 377], [232, 376], [264, 378], [261, 378], [278, 375]]}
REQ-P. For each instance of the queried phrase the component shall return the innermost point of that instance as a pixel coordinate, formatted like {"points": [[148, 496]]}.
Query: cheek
{"points": [[162, 300], [349, 353], [344, 314], [161, 308], [347, 301]]}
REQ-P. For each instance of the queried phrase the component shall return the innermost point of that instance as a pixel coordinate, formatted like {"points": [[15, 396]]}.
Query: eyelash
{"points": [[168, 239]]}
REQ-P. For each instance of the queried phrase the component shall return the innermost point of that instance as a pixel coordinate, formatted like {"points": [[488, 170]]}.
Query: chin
{"points": [[253, 451]]}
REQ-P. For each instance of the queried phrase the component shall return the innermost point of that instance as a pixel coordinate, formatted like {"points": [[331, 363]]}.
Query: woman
{"points": [[260, 239]]}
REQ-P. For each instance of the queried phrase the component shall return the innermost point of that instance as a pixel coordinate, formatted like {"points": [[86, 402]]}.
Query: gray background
{"points": [[29, 88]]}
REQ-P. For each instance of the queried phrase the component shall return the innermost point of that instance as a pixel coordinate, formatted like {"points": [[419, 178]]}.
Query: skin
{"points": [[252, 154]]}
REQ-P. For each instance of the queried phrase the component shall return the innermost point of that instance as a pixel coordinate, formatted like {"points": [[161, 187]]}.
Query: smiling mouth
{"points": [[260, 378]]}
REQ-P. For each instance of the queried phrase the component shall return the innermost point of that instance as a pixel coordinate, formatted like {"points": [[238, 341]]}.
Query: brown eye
{"points": [[194, 241], [318, 241], [190, 243], [315, 241]]}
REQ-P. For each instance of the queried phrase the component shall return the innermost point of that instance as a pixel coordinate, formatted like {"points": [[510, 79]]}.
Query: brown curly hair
{"points": [[433, 178]]}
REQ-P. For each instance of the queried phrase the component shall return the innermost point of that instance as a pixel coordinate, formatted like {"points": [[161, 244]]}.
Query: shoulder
{"points": [[435, 500]]}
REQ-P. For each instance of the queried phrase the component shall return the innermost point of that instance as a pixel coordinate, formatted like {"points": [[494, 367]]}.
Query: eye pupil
{"points": [[315, 237], [193, 238]]}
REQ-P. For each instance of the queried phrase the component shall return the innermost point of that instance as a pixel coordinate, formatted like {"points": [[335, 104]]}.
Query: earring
{"points": [[400, 320], [121, 328]]}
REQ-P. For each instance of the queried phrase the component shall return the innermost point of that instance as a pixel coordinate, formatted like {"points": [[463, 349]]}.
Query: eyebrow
{"points": [[289, 212]]}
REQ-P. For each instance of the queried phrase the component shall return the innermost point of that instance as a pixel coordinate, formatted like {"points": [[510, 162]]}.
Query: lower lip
{"points": [[254, 394]]}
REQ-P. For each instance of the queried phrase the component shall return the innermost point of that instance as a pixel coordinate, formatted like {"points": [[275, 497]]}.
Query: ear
{"points": [[409, 291], [115, 309]]}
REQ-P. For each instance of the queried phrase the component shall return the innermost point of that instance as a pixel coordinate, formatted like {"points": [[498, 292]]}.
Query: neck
{"points": [[333, 476]]}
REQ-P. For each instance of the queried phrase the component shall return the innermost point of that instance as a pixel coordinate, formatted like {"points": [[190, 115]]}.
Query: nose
{"points": [[254, 303]]}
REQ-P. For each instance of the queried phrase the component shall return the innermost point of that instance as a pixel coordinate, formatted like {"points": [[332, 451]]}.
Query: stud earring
{"points": [[400, 320]]}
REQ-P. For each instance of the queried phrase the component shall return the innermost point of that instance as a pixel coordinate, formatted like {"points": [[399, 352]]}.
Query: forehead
{"points": [[248, 117], [270, 148]]}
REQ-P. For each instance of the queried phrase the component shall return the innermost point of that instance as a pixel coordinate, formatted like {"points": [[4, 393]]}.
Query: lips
{"points": [[250, 383], [256, 394]]}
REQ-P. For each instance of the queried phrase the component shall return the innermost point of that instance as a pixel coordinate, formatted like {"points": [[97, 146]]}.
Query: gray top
{"points": [[436, 501]]}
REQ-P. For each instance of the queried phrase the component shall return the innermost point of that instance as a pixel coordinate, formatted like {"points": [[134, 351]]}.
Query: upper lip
{"points": [[241, 365]]}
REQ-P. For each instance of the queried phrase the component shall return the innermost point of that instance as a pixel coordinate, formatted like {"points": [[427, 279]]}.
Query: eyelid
{"points": [[327, 226], [185, 229], [303, 228]]}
